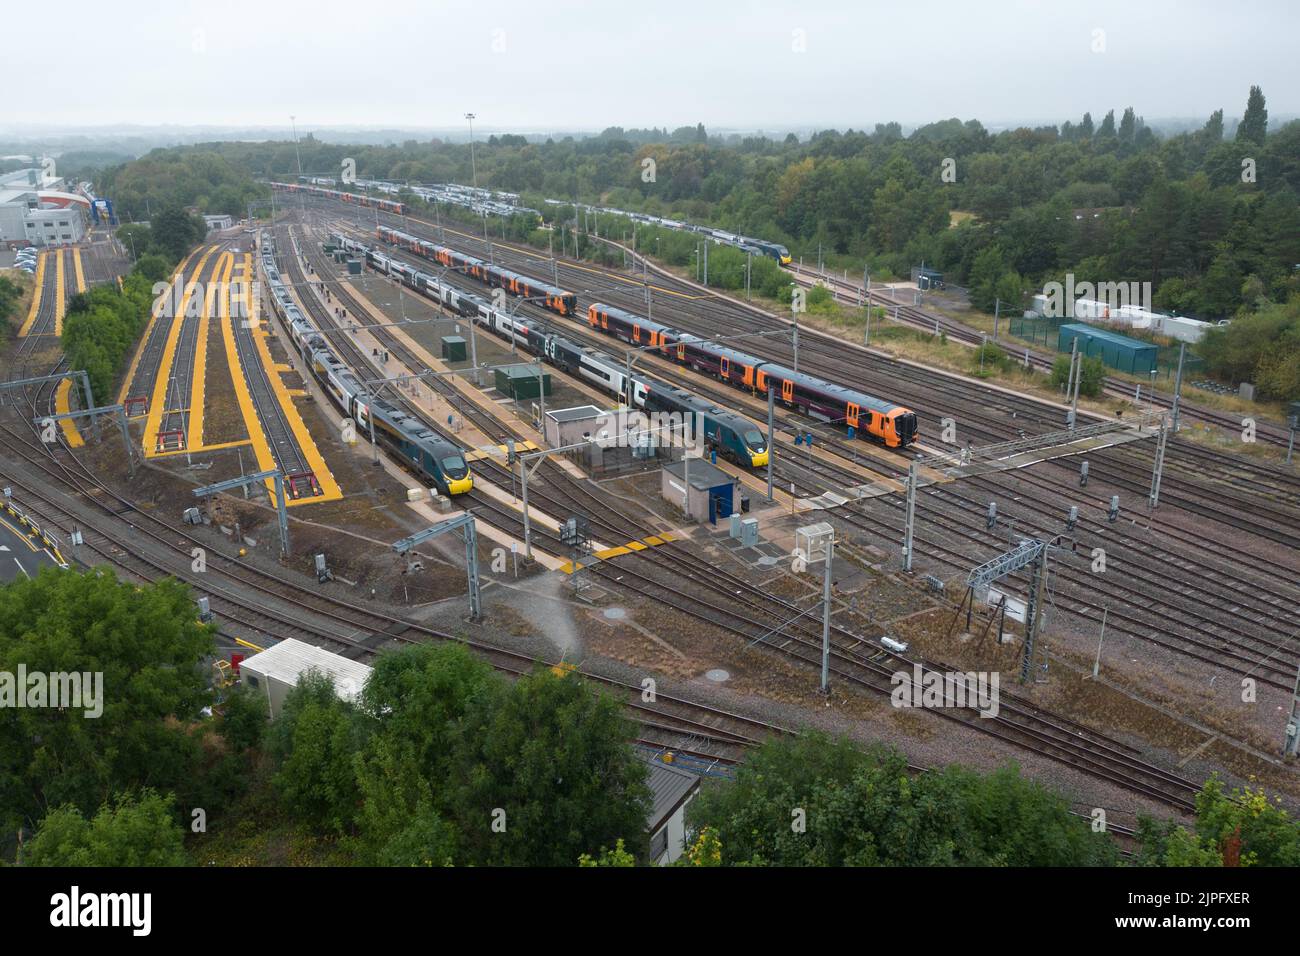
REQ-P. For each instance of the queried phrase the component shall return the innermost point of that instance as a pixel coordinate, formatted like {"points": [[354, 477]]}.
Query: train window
{"points": [[453, 464]]}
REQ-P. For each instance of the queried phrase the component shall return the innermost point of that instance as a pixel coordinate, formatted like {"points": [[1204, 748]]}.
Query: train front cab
{"points": [[755, 445], [454, 471], [902, 429]]}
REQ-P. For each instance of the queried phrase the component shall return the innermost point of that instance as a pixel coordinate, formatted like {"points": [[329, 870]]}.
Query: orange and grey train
{"points": [[489, 273], [870, 418]]}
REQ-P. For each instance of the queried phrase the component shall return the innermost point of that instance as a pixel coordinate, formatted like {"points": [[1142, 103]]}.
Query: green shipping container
{"points": [[354, 267], [521, 381], [453, 348], [1117, 351]]}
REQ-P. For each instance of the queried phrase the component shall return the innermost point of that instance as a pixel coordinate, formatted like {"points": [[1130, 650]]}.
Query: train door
{"points": [[724, 368], [787, 391], [636, 332], [851, 419], [681, 351]]}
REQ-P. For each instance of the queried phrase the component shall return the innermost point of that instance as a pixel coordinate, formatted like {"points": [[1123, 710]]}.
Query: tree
{"points": [[619, 856], [315, 741], [815, 801], [1128, 126], [1212, 132], [134, 831], [550, 776], [1254, 124], [175, 232], [1241, 828], [146, 644], [420, 700]]}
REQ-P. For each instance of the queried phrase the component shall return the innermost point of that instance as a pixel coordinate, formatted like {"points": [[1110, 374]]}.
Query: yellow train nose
{"points": [[458, 486], [758, 459]]}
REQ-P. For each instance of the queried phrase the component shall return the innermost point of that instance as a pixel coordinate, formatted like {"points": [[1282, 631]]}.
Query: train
{"points": [[869, 417], [498, 277], [436, 459], [357, 199], [733, 436]]}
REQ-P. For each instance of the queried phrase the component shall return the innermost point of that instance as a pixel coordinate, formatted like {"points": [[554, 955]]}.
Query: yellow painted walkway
{"points": [[63, 405], [36, 296], [568, 567], [60, 299], [158, 308], [330, 490], [198, 380], [76, 268], [500, 451], [161, 382]]}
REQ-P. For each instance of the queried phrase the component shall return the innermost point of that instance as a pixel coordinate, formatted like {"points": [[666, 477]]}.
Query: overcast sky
{"points": [[541, 65]]}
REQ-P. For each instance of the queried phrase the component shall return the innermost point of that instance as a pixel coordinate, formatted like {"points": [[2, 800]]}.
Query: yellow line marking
{"points": [[500, 451], [60, 305], [199, 379], [568, 567], [36, 296], [26, 536], [148, 331], [330, 490], [242, 643], [162, 380], [76, 268], [63, 405], [257, 438]]}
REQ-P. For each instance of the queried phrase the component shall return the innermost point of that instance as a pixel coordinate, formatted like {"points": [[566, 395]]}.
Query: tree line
{"points": [[442, 761]]}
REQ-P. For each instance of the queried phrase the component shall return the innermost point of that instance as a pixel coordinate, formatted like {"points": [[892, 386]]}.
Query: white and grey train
{"points": [[733, 436], [426, 452]]}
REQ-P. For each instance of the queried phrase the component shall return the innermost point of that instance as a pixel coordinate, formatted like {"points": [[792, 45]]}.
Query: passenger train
{"points": [[435, 458], [557, 300], [732, 435], [356, 199], [868, 416]]}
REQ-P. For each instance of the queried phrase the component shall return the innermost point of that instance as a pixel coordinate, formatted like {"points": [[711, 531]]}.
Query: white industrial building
{"points": [[1177, 327], [15, 204], [34, 210], [55, 227], [671, 789], [276, 671]]}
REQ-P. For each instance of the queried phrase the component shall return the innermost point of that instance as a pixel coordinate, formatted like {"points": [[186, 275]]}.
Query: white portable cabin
{"points": [[277, 670]]}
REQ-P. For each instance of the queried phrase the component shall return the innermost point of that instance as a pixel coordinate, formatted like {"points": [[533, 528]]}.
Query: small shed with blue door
{"points": [[712, 495]]}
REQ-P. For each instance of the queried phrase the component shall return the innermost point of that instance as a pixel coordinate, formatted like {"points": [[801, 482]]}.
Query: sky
{"points": [[554, 65]]}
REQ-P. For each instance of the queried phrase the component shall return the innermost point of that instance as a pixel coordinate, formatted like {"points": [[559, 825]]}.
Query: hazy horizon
{"points": [[570, 67]]}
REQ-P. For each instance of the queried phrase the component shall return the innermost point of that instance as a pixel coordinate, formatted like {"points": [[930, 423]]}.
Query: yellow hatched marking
{"points": [[163, 379], [63, 405], [76, 268], [60, 303], [330, 490], [199, 379], [144, 339], [568, 567], [36, 296], [500, 451]]}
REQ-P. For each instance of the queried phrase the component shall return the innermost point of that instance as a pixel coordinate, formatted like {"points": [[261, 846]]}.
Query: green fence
{"points": [[1041, 331], [1045, 332]]}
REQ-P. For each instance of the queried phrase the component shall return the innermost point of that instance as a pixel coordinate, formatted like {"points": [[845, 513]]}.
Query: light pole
{"points": [[472, 168], [293, 121]]}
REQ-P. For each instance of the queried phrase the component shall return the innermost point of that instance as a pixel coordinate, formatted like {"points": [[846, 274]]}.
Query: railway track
{"points": [[1268, 432], [1046, 736], [1185, 630]]}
